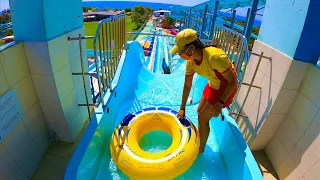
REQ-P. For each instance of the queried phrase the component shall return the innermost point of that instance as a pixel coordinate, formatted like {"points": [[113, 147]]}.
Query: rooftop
{"points": [[106, 13], [162, 11]]}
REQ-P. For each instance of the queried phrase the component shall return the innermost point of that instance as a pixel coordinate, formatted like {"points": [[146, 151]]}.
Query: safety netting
{"points": [[201, 17], [223, 4]]}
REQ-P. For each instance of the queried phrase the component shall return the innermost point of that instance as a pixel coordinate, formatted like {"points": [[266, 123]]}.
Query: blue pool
{"points": [[227, 156]]}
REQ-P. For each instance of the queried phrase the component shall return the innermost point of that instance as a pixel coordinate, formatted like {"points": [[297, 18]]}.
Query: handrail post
{"points": [[251, 19], [189, 19], [204, 20], [215, 12], [98, 74], [246, 21], [83, 74], [233, 18], [185, 20]]}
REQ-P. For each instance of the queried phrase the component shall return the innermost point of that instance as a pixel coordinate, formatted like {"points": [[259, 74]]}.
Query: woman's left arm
{"points": [[232, 83]]}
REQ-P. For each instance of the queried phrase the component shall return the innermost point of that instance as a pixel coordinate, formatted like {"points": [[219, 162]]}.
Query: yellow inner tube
{"points": [[168, 164]]}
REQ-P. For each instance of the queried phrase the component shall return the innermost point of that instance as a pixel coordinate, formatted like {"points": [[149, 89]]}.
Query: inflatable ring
{"points": [[168, 164]]}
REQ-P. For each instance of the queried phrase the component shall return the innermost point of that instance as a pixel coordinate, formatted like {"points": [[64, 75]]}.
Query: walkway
{"points": [[55, 161]]}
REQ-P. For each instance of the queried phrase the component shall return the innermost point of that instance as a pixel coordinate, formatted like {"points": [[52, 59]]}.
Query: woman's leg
{"points": [[204, 116]]}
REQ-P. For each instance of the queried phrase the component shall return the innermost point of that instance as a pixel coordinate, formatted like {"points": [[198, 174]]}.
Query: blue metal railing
{"points": [[203, 17], [108, 43], [235, 45]]}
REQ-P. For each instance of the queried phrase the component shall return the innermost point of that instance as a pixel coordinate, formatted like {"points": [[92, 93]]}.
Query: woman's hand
{"points": [[216, 109], [181, 113]]}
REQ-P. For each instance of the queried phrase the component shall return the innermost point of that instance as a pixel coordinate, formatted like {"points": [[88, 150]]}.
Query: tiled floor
{"points": [[55, 161], [265, 165]]}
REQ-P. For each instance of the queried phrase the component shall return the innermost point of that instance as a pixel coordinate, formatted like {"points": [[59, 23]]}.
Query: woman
{"points": [[212, 63]]}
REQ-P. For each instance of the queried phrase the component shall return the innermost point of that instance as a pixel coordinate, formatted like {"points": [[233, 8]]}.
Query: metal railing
{"points": [[83, 73], [151, 34], [109, 42], [232, 42], [236, 47]]}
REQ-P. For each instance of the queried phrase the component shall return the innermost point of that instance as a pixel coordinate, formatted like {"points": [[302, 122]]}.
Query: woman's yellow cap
{"points": [[184, 37]]}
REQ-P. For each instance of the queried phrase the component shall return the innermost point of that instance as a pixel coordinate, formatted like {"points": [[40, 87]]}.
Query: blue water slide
{"points": [[227, 156], [167, 57], [158, 58]]}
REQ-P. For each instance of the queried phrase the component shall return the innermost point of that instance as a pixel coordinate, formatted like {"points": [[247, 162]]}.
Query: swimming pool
{"points": [[226, 156]]}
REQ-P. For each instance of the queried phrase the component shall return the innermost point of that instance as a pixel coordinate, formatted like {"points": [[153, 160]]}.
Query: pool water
{"points": [[155, 141]]}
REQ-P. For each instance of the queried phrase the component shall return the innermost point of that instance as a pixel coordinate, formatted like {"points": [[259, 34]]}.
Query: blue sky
{"points": [[4, 4], [179, 2]]}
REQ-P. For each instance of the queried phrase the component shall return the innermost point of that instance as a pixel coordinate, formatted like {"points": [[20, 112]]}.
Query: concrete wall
{"points": [[287, 123], [278, 18], [295, 148], [284, 115], [44, 27], [43, 20], [24, 146], [308, 47], [41, 75], [292, 27], [51, 65], [40, 69]]}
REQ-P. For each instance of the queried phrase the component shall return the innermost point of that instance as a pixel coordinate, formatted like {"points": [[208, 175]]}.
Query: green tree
{"points": [[149, 11], [106, 9], [127, 9], [5, 18], [160, 9], [140, 15], [169, 20], [86, 8], [116, 9], [8, 32], [255, 30]]}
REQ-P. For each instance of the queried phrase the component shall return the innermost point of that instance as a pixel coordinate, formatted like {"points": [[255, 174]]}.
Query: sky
{"points": [[4, 4], [178, 2], [242, 11]]}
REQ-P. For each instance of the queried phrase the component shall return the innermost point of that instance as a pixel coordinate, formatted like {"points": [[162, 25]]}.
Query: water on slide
{"points": [[156, 89]]}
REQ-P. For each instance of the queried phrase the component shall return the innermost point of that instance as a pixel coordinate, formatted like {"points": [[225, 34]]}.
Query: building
{"points": [[161, 13], [99, 15]]}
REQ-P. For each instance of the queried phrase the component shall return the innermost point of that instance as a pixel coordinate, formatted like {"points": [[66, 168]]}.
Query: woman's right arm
{"points": [[186, 91]]}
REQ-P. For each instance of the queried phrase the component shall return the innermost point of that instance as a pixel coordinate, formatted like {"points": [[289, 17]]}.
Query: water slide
{"points": [[167, 58], [159, 56], [226, 156]]}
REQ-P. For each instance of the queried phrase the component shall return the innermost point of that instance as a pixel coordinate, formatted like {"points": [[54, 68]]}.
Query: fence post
{"points": [[233, 18], [246, 21], [204, 20], [251, 19], [214, 19], [189, 19]]}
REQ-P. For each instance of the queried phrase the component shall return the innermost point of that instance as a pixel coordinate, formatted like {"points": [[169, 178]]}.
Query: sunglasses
{"points": [[186, 49]]}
